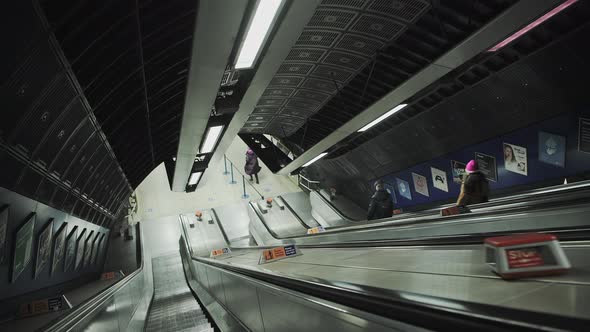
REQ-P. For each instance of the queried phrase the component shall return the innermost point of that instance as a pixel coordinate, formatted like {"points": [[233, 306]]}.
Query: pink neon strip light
{"points": [[532, 25]]}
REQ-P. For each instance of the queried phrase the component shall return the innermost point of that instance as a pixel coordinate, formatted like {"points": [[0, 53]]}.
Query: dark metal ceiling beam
{"points": [[502, 26]]}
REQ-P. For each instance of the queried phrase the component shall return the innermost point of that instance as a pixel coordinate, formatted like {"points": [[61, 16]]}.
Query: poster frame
{"points": [[30, 221], [46, 244]]}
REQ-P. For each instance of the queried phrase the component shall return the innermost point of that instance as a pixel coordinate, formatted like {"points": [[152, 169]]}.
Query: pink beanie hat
{"points": [[471, 166], [250, 151]]}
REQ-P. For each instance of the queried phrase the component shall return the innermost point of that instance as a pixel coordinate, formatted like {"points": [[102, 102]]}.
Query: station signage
{"points": [[278, 253], [316, 230], [220, 252]]}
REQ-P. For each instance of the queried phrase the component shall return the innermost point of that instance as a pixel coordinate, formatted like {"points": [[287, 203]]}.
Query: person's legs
{"points": [[251, 179], [257, 178]]}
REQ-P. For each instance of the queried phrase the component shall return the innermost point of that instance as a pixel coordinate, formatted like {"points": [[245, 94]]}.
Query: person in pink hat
{"points": [[474, 187]]}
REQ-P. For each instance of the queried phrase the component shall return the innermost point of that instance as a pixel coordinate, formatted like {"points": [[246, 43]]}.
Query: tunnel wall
{"points": [[17, 209], [537, 171]]}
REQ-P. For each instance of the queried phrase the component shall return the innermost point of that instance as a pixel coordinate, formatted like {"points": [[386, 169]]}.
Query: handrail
{"points": [[547, 202], [86, 309], [334, 208], [261, 218], [415, 309], [290, 208], [232, 166]]}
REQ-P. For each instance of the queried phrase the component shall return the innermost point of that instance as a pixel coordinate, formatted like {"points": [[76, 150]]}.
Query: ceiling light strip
{"points": [[532, 25], [258, 30], [318, 157], [211, 139], [383, 117]]}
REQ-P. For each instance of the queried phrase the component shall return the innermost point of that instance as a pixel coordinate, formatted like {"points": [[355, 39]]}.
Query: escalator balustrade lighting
{"points": [[258, 30], [318, 157], [211, 139], [532, 25], [383, 117]]}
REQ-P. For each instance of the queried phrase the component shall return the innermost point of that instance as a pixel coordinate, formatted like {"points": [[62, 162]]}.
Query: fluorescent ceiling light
{"points": [[211, 139], [532, 25], [318, 157], [258, 29], [194, 178], [383, 117]]}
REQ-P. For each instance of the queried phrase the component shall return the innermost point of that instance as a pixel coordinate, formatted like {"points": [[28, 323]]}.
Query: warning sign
{"points": [[269, 255], [220, 252], [316, 230], [528, 257]]}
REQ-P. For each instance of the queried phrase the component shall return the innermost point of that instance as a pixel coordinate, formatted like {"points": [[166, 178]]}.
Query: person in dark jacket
{"points": [[381, 205], [474, 187], [252, 167]]}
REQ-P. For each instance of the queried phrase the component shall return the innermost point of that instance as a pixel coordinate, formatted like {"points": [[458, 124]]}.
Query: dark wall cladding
{"points": [[51, 148], [15, 210]]}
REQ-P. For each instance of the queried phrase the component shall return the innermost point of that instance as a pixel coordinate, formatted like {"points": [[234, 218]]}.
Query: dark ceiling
{"points": [[541, 75], [131, 59], [352, 53]]}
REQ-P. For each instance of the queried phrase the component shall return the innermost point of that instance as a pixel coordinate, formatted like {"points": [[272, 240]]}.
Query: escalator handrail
{"points": [[501, 210], [411, 308], [263, 222], [90, 306], [290, 208]]}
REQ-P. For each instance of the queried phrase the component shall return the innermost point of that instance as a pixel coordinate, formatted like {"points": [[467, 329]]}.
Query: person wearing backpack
{"points": [[381, 205], [474, 187]]}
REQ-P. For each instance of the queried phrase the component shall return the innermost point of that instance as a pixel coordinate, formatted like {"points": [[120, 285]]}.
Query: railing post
{"points": [[225, 172], [232, 174], [245, 195]]}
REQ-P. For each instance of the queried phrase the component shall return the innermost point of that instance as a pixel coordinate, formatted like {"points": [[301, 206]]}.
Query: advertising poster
{"points": [[44, 248], [403, 188], [71, 249], [515, 159], [80, 249], [552, 149], [88, 249], [3, 228], [59, 247], [420, 184], [584, 135], [94, 249], [439, 179], [458, 170], [23, 247], [487, 166], [391, 190]]}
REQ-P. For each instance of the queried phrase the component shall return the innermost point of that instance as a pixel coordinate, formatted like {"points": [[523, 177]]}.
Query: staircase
{"points": [[174, 307]]}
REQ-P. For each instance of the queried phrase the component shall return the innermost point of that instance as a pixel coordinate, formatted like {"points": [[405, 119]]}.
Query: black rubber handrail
{"points": [[411, 308], [539, 204], [91, 305], [288, 206]]}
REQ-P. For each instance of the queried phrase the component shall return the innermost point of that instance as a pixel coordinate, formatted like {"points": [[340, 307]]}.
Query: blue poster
{"points": [[552, 149], [391, 190], [404, 188]]}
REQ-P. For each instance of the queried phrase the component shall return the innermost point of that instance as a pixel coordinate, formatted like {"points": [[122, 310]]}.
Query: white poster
{"points": [[420, 184], [515, 159], [439, 179]]}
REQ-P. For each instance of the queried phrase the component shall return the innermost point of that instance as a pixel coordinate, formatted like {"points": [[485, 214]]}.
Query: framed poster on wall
{"points": [[88, 249], [71, 249], [3, 231], [584, 135], [515, 158], [420, 184], [44, 248], [439, 179], [94, 249], [59, 247], [458, 170], [552, 149], [80, 249], [23, 246], [487, 166], [403, 188]]}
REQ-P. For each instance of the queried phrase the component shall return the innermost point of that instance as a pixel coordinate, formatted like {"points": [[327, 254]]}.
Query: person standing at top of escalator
{"points": [[474, 187], [252, 167], [381, 205]]}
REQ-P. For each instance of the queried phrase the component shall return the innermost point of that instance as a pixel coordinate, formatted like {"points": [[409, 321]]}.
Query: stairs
{"points": [[174, 307]]}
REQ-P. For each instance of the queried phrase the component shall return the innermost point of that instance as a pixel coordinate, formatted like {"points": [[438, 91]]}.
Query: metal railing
{"points": [[308, 184], [231, 170]]}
